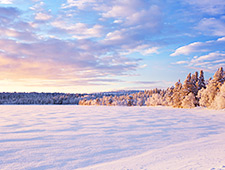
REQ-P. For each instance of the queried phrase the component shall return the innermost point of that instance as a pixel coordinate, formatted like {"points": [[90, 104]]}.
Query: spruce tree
{"points": [[194, 80], [187, 86], [201, 81]]}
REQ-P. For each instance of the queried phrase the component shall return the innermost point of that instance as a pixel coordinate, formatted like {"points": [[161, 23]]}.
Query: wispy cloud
{"points": [[212, 26], [42, 16], [79, 30], [200, 47], [213, 59], [209, 7]]}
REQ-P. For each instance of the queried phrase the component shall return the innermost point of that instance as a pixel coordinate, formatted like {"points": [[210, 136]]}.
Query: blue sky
{"points": [[98, 45]]}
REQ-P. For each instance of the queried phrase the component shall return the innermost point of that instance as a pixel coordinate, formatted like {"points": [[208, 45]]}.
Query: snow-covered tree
{"points": [[186, 87], [219, 77], [168, 100], [219, 101], [189, 101], [194, 80], [141, 101], [201, 81], [207, 95], [156, 99], [177, 97]]}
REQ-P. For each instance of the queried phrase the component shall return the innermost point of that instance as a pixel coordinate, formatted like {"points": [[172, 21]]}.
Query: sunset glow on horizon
{"points": [[75, 46]]}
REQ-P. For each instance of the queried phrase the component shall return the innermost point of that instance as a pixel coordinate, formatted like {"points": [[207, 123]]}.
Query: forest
{"points": [[193, 92]]}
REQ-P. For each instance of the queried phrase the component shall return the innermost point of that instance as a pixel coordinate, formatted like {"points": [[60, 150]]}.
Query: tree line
{"points": [[195, 91]]}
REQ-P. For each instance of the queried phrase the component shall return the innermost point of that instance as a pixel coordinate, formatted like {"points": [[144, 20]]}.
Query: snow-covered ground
{"points": [[93, 137]]}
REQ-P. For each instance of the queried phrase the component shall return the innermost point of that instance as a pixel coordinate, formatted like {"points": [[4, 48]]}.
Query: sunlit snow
{"points": [[71, 137]]}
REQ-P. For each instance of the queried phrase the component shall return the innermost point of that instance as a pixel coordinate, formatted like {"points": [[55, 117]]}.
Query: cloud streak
{"points": [[200, 47], [214, 55]]}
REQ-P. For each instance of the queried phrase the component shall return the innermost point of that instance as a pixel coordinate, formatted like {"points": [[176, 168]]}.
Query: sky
{"points": [[79, 46]]}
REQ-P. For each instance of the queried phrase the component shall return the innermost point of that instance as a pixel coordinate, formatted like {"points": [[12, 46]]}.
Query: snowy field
{"points": [[121, 138]]}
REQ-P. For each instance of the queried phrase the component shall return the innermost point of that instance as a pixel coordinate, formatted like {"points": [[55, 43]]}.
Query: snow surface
{"points": [[96, 137]]}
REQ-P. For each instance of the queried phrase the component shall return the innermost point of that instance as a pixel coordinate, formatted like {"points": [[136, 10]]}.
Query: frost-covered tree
{"points": [[187, 86], [219, 101], [212, 88], [155, 100], [130, 100], [168, 100], [194, 80], [177, 97], [219, 77], [140, 101], [189, 101], [201, 81]]}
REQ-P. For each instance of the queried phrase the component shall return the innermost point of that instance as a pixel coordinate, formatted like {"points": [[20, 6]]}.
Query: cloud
{"points": [[181, 62], [118, 8], [56, 59], [142, 49], [6, 1], [209, 62], [78, 4], [20, 35], [38, 6], [211, 26], [42, 16], [188, 49], [145, 82], [214, 7], [136, 14], [79, 30], [210, 55], [200, 47], [63, 45], [12, 27], [8, 13]]}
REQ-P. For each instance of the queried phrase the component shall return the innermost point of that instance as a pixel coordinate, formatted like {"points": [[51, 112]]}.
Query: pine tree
{"points": [[201, 81], [194, 80], [187, 86], [219, 77], [207, 95]]}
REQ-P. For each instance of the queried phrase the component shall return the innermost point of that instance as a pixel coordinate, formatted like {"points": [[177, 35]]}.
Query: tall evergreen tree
{"points": [[201, 81], [219, 77], [194, 80], [207, 95], [187, 86]]}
